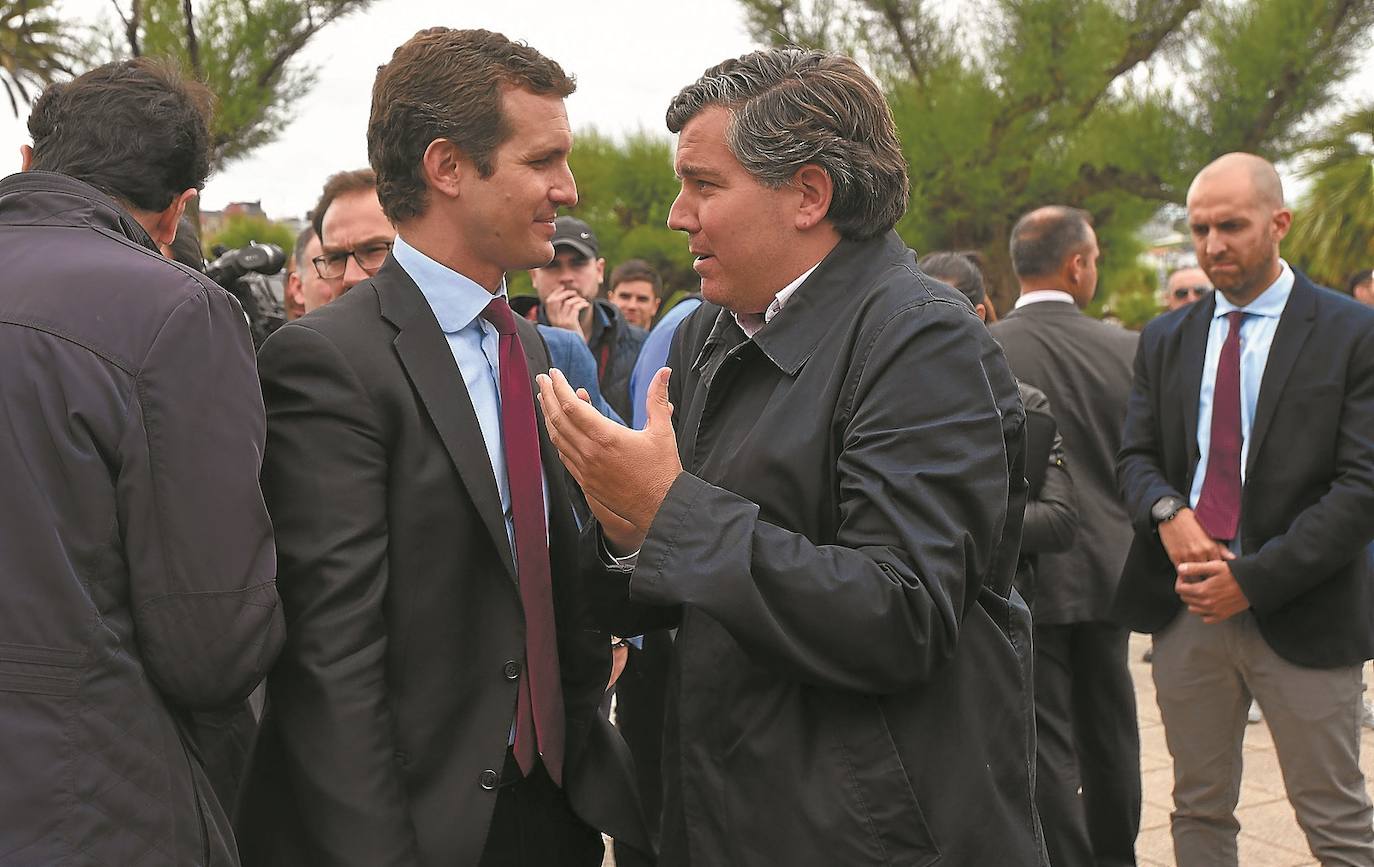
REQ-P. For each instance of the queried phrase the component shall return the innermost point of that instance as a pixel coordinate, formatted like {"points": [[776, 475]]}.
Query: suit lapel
{"points": [[425, 354], [1192, 354], [1295, 323]]}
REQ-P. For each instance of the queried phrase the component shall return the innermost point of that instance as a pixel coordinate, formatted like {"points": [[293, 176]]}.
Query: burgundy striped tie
{"points": [[539, 726], [1218, 509]]}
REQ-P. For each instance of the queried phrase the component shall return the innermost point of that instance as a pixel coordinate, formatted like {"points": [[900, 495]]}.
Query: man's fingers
{"points": [[660, 411]]}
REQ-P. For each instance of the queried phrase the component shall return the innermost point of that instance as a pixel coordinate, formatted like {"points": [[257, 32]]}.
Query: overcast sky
{"points": [[630, 58]]}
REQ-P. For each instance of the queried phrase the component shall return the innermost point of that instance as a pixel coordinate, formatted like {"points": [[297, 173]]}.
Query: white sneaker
{"points": [[1367, 715], [1254, 715]]}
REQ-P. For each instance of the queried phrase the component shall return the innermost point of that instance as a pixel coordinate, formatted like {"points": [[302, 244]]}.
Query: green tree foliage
{"points": [[1108, 105], [240, 229], [245, 52], [625, 188], [1333, 226], [36, 48]]}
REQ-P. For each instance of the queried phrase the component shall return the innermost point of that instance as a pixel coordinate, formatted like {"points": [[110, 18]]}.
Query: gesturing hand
{"points": [[625, 473]]}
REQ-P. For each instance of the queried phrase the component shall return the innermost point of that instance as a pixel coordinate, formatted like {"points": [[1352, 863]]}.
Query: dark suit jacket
{"points": [[395, 695], [1084, 368], [853, 680], [1307, 508]]}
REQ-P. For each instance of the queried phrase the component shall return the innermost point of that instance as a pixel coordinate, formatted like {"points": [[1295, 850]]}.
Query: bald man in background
{"points": [[1248, 469]]}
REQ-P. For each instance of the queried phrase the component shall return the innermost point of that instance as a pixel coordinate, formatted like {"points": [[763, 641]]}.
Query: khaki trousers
{"points": [[1205, 676]]}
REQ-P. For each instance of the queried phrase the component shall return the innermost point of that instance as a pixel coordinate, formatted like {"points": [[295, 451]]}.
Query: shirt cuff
{"points": [[611, 561]]}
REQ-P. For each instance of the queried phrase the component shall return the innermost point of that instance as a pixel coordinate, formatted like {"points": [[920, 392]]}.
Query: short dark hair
{"points": [[340, 184], [134, 129], [1043, 239], [637, 269], [959, 270], [447, 84], [790, 107], [302, 241], [1357, 279]]}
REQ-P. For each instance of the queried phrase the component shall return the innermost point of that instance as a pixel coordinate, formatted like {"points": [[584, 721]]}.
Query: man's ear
{"points": [[816, 189], [25, 157], [162, 225], [1282, 222], [445, 167]]}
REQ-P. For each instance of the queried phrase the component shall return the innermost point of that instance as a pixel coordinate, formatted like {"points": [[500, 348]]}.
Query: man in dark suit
{"points": [[1084, 699], [437, 702], [1248, 469], [832, 515]]}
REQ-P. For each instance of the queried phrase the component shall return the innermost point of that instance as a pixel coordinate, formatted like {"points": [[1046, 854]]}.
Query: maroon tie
{"points": [[1218, 509], [539, 708]]}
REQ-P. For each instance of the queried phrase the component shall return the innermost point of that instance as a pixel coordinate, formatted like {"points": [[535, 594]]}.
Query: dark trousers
{"points": [[533, 826], [640, 695], [1087, 738]]}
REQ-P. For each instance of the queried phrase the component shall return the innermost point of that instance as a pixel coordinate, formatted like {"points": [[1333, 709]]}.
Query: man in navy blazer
{"points": [[1248, 469]]}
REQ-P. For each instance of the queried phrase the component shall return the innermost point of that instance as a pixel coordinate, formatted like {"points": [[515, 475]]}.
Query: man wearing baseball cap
{"points": [[568, 288]]}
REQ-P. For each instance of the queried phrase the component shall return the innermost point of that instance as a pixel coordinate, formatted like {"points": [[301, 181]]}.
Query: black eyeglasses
{"points": [[331, 266], [1196, 291]]}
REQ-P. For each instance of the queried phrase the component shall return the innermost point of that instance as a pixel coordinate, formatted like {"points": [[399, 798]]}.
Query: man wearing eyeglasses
{"points": [[1185, 286], [355, 235]]}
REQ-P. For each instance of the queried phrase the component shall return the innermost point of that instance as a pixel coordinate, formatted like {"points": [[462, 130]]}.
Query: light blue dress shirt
{"points": [[1256, 336], [458, 303]]}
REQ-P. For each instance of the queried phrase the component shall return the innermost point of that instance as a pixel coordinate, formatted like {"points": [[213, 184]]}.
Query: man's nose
{"points": [[353, 273]]}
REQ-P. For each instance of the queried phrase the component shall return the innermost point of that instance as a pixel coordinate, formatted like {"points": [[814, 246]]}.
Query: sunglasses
{"points": [[1196, 291]]}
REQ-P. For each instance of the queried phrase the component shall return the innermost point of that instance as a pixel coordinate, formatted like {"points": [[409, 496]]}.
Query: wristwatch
{"points": [[1166, 508]]}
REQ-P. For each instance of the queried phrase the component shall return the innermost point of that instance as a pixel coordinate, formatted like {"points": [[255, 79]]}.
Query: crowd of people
{"points": [[856, 555]]}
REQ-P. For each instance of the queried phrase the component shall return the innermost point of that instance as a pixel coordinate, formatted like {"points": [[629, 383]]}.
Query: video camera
{"points": [[243, 273]]}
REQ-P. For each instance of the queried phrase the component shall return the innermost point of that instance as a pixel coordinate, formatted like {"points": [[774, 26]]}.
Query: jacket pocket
{"points": [[878, 781], [39, 670]]}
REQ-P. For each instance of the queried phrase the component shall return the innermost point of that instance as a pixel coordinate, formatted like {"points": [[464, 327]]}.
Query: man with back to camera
{"points": [[1248, 469], [134, 543], [438, 701], [1084, 698], [1185, 286], [568, 288], [850, 672]]}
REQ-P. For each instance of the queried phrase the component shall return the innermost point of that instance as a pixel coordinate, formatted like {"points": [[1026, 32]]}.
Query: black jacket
{"points": [[852, 682], [1307, 507], [136, 560], [1051, 511], [389, 712]]}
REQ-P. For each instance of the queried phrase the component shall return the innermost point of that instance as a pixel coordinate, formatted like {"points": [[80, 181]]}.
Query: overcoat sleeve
{"points": [[196, 531]]}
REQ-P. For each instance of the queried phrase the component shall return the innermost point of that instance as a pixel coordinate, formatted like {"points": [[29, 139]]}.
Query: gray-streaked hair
{"points": [[791, 107], [1044, 238]]}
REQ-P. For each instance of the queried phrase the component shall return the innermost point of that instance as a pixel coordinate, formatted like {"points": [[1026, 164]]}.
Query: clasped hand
{"points": [[1204, 582], [624, 473]]}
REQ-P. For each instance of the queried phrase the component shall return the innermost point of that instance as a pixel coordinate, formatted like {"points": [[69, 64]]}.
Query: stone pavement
{"points": [[1269, 835]]}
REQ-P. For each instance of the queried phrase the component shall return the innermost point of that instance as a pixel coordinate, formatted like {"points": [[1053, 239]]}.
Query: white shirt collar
{"points": [[1041, 295], [750, 323]]}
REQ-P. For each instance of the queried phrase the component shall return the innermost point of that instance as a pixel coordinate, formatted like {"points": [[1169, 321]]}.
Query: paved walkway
{"points": [[1269, 835]]}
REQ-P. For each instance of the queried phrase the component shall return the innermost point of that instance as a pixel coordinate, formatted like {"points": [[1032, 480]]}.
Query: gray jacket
{"points": [[135, 549]]}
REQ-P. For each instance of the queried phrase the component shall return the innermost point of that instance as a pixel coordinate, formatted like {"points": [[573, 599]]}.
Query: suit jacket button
{"points": [[512, 670], [489, 779]]}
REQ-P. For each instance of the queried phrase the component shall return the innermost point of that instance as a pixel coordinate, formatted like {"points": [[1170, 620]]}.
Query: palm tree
{"points": [[35, 48], [1333, 229]]}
